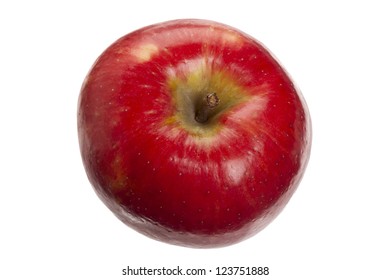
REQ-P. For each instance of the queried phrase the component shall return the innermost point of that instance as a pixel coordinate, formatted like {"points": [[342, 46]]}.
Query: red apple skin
{"points": [[176, 180]]}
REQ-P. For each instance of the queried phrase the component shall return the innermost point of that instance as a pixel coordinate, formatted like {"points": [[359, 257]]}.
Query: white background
{"points": [[336, 226]]}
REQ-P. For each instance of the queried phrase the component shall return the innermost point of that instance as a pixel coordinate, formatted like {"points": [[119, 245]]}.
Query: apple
{"points": [[192, 133]]}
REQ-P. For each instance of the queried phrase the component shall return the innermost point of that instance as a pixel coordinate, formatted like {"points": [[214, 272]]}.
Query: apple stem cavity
{"points": [[206, 107]]}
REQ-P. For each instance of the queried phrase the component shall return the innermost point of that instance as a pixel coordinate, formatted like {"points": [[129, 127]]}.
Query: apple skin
{"points": [[174, 179]]}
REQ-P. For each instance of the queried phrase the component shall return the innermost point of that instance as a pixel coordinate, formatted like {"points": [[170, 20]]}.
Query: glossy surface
{"points": [[170, 177]]}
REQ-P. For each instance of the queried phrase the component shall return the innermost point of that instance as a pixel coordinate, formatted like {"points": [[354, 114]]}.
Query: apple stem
{"points": [[205, 107]]}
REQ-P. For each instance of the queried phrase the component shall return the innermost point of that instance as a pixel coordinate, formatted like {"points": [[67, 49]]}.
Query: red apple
{"points": [[192, 133]]}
